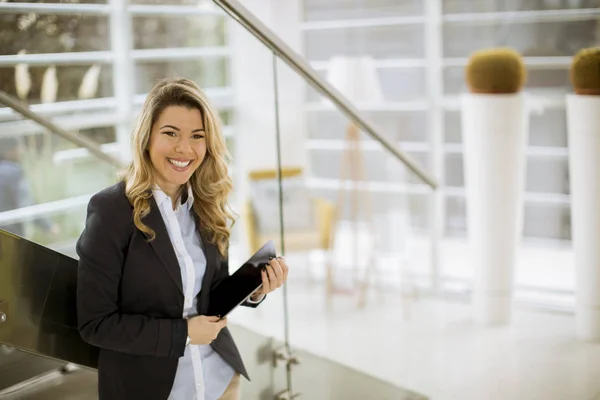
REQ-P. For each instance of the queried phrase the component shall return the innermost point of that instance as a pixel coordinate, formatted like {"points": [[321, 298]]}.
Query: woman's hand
{"points": [[203, 329], [273, 277]]}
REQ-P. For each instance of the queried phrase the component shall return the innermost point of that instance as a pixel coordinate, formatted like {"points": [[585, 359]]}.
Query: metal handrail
{"points": [[300, 65], [82, 141]]}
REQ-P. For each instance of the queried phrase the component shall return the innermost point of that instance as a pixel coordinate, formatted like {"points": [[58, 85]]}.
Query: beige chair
{"points": [[309, 224]]}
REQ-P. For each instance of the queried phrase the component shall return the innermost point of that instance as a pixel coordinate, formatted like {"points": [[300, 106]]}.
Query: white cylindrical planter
{"points": [[494, 131], [583, 123]]}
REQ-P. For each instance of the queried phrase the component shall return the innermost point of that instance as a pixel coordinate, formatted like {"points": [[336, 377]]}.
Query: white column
{"points": [[583, 121], [495, 131], [435, 117], [121, 37]]}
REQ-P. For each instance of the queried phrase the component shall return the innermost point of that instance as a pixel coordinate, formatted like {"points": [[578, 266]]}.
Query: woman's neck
{"points": [[173, 192]]}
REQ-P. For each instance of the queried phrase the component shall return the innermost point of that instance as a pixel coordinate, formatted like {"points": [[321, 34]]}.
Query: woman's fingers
{"points": [[266, 285]]}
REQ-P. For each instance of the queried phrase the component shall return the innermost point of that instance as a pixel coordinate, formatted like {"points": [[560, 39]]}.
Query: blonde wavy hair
{"points": [[210, 183]]}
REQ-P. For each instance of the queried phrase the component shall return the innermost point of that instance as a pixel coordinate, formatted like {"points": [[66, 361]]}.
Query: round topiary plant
{"points": [[585, 71], [495, 71]]}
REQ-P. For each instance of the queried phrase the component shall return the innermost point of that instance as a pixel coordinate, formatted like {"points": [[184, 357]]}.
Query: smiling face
{"points": [[177, 147]]}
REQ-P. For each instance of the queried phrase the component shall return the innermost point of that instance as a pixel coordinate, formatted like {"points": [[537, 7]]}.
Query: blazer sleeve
{"points": [[102, 249], [222, 273]]}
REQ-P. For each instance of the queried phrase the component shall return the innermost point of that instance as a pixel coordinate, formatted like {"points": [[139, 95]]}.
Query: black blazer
{"points": [[130, 299]]}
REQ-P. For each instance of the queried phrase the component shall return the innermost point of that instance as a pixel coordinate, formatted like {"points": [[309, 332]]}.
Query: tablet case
{"points": [[237, 288]]}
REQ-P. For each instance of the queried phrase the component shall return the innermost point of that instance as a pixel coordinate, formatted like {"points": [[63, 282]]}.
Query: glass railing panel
{"points": [[357, 233], [46, 183]]}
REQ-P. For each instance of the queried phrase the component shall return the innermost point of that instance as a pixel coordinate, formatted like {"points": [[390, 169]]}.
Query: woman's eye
{"points": [[169, 133], [198, 136]]}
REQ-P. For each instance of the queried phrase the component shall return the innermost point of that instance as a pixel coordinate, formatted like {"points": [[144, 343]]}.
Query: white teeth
{"points": [[179, 163]]}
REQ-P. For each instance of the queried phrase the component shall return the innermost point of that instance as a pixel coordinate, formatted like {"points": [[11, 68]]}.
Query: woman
{"points": [[153, 247]]}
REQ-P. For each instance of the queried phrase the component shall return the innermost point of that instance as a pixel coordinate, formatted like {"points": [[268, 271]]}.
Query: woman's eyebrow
{"points": [[177, 129]]}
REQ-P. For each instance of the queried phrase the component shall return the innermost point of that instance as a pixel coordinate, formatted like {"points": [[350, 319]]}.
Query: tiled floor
{"points": [[439, 352]]}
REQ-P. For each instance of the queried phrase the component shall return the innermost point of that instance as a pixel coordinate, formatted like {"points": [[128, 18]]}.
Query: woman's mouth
{"points": [[179, 165]]}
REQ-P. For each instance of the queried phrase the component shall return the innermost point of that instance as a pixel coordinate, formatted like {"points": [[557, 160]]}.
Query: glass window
{"points": [[208, 73], [316, 10], [548, 221], [52, 33], [547, 175], [379, 42], [544, 221], [544, 175], [532, 39], [394, 126], [548, 129], [470, 6], [63, 1], [172, 32], [48, 84]]}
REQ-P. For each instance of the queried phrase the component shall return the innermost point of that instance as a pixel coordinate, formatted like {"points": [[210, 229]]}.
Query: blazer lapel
{"points": [[162, 244]]}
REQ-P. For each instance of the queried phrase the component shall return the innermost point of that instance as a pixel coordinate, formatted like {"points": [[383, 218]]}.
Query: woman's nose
{"points": [[183, 146]]}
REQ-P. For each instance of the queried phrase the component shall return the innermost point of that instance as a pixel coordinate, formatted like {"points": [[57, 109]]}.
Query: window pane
{"points": [[456, 220], [208, 73], [395, 127], [547, 175], [539, 39], [51, 33], [397, 84], [543, 175], [315, 10], [540, 220], [454, 170], [63, 1], [548, 129], [470, 6], [547, 221], [452, 127], [378, 166], [56, 83], [171, 2], [172, 32], [379, 42]]}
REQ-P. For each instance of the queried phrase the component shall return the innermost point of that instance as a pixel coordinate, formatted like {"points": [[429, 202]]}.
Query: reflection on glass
{"points": [[317, 10], [208, 73], [52, 33], [48, 84], [531, 39], [38, 169], [469, 6], [172, 32], [15, 189], [379, 42]]}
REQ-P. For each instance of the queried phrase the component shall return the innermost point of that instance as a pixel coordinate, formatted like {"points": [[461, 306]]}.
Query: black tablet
{"points": [[237, 288]]}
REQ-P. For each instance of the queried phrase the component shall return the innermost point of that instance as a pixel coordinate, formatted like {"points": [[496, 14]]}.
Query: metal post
{"points": [[121, 37], [435, 93]]}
